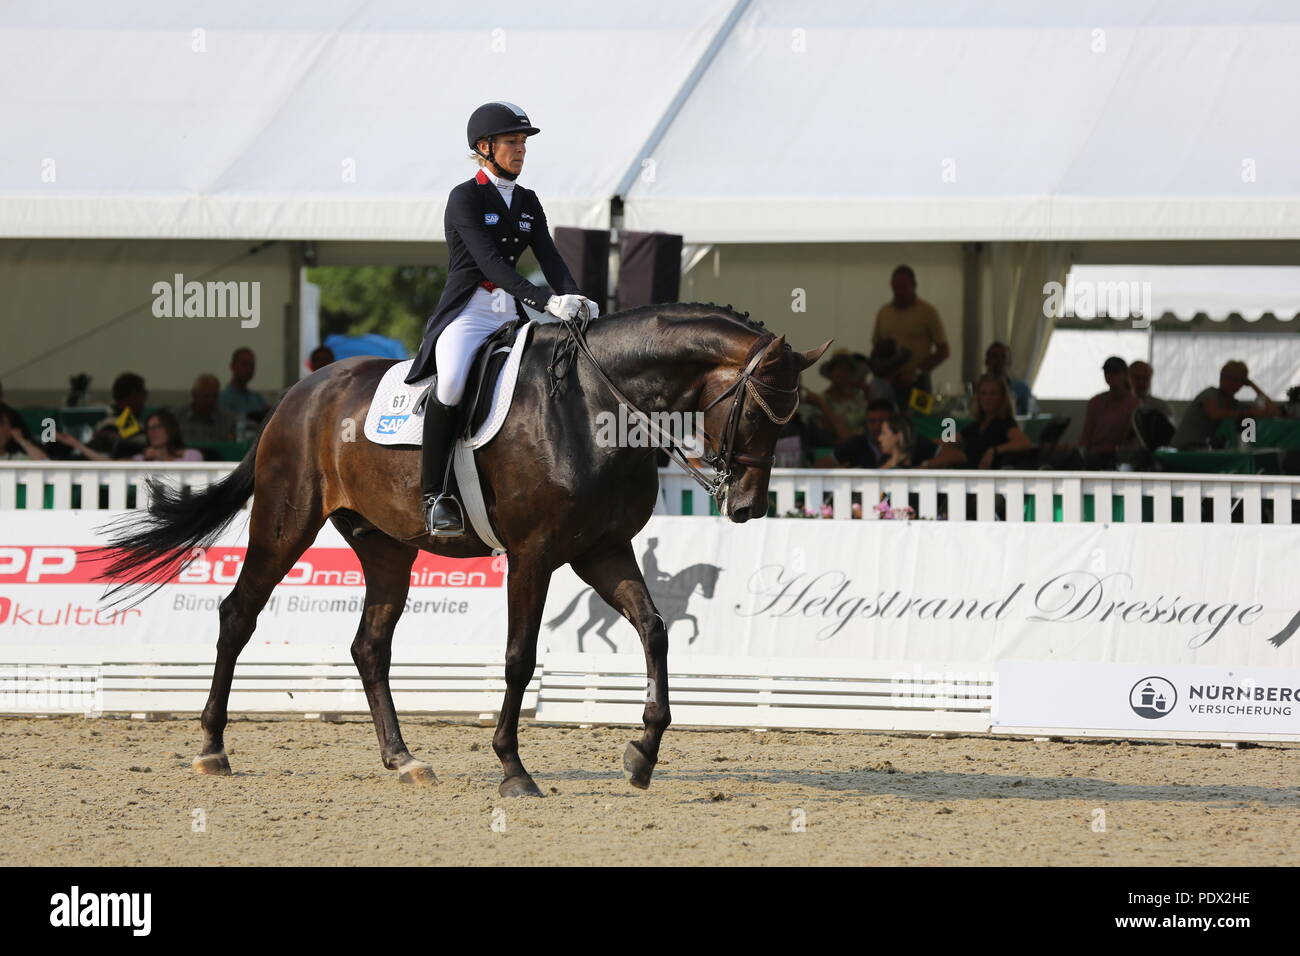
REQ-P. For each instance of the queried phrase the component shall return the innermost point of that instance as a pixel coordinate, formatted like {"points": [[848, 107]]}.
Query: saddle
{"points": [[480, 387], [396, 409], [396, 416]]}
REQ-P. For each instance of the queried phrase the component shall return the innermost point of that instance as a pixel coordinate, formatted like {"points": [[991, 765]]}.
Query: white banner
{"points": [[48, 596], [967, 592], [1071, 617], [1140, 699]]}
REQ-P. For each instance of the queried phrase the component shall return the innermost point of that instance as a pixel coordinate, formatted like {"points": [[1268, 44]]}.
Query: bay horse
{"points": [[555, 495]]}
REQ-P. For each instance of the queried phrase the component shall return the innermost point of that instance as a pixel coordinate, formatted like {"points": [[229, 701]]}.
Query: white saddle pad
{"points": [[392, 419]]}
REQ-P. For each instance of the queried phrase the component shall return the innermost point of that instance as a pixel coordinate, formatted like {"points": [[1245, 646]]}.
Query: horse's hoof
{"points": [[217, 764], [417, 773], [520, 785], [637, 766]]}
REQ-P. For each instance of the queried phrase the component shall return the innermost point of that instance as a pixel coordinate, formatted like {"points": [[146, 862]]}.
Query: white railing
{"points": [[1101, 496], [95, 485]]}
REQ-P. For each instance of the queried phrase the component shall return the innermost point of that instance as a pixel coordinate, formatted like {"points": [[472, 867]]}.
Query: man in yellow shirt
{"points": [[914, 325]]}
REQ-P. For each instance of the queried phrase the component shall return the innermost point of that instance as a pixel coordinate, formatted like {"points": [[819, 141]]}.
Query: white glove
{"points": [[593, 307], [564, 306]]}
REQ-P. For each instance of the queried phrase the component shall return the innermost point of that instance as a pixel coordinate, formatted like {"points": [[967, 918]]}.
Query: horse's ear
{"points": [[806, 359], [774, 351]]}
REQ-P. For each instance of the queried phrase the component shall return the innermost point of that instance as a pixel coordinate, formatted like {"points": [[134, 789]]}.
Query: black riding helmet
{"points": [[496, 119]]}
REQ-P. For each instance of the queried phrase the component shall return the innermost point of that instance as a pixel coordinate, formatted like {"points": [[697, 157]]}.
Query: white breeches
{"points": [[461, 339]]}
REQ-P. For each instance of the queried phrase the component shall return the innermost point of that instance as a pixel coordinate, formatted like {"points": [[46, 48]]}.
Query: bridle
{"points": [[745, 385]]}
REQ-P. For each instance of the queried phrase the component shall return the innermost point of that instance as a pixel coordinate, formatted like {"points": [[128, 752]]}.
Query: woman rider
{"points": [[489, 222]]}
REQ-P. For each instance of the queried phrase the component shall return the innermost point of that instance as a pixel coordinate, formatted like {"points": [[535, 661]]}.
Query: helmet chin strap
{"points": [[491, 158]]}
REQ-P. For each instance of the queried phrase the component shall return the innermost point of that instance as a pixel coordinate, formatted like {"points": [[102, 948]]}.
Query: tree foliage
{"points": [[388, 300]]}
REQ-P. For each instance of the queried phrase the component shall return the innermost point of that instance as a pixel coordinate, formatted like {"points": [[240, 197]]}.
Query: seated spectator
{"points": [[203, 419], [236, 397], [165, 443], [1139, 376], [997, 359], [1108, 422], [901, 447], [841, 410], [863, 449], [993, 431], [121, 434], [15, 446], [321, 356], [15, 420], [1215, 404]]}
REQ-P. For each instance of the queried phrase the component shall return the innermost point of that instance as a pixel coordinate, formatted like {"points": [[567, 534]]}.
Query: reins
{"points": [[745, 384]]}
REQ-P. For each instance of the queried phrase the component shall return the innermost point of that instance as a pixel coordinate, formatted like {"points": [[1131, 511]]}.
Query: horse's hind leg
{"points": [[387, 566], [615, 576], [278, 533]]}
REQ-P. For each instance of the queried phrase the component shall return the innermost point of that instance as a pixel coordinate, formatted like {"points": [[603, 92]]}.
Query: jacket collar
{"points": [[488, 183]]}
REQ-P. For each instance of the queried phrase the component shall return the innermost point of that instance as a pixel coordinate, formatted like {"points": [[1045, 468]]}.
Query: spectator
{"points": [[1108, 422], [900, 447], [993, 432], [914, 324], [203, 419], [866, 450], [165, 442], [1216, 404], [15, 446], [236, 397], [843, 406], [997, 359], [1139, 376], [885, 361], [321, 356], [16, 422], [121, 435]]}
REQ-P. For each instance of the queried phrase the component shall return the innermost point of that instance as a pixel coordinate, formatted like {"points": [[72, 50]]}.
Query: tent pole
{"points": [[643, 155], [970, 311]]}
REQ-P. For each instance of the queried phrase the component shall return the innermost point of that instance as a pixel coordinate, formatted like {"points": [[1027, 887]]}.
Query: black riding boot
{"points": [[441, 510]]}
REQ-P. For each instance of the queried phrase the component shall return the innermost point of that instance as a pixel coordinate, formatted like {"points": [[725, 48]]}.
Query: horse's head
{"points": [[746, 405]]}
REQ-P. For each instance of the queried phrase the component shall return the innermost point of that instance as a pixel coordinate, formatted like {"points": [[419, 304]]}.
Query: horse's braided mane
{"points": [[693, 310]]}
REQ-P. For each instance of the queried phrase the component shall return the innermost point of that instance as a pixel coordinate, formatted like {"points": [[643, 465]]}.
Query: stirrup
{"points": [[443, 517]]}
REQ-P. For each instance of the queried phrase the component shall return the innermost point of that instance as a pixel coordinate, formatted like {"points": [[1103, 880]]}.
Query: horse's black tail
{"points": [[146, 551], [563, 616]]}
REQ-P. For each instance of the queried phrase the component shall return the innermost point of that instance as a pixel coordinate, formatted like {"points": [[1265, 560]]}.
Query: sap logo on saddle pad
{"points": [[491, 218], [391, 424]]}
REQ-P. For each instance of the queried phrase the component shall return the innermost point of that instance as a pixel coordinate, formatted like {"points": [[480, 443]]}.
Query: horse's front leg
{"points": [[526, 587], [616, 577]]}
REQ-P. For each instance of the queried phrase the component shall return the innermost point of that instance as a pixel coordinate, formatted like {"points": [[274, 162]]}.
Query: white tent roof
{"points": [[252, 137], [1112, 119], [901, 120]]}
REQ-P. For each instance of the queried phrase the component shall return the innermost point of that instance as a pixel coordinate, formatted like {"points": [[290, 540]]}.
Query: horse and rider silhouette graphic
{"points": [[671, 594]]}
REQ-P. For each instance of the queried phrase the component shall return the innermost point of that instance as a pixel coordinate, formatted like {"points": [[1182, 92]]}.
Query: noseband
{"points": [[744, 385]]}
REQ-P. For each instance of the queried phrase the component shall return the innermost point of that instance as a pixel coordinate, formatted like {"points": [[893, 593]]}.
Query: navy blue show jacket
{"points": [[485, 240]]}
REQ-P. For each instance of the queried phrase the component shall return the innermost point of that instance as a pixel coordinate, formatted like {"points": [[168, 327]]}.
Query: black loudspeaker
{"points": [[586, 253], [650, 268]]}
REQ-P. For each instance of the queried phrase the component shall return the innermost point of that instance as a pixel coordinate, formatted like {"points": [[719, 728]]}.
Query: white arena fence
{"points": [[770, 676], [840, 494]]}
